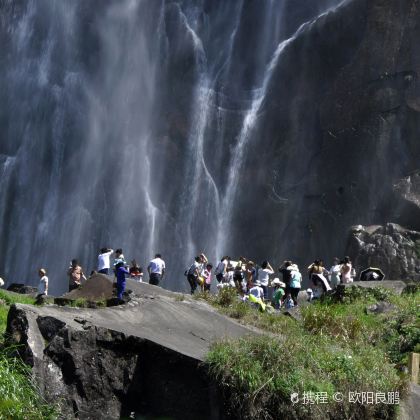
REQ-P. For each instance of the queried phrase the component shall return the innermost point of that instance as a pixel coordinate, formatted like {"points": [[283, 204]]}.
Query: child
{"points": [[120, 272], [278, 292], [289, 302], [207, 277], [136, 272]]}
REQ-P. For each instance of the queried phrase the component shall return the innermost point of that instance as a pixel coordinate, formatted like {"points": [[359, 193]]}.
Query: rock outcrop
{"points": [[391, 247], [22, 289], [336, 128], [143, 358]]}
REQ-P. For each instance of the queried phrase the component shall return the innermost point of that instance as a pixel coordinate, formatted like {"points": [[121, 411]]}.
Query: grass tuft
{"points": [[20, 398]]}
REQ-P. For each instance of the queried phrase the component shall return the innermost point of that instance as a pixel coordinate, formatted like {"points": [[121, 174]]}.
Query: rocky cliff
{"points": [[392, 248], [258, 128], [143, 358], [345, 130]]}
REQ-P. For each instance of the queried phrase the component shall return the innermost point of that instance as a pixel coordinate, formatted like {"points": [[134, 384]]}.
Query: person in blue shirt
{"points": [[121, 272]]}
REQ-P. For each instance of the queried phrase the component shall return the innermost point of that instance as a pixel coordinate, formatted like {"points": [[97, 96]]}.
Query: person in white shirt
{"points": [[227, 279], [264, 274], [104, 262], [43, 283], [335, 273], [156, 270], [257, 290]]}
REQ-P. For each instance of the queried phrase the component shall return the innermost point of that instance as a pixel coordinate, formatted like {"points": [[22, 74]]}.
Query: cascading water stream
{"points": [[128, 125], [225, 215], [250, 122]]}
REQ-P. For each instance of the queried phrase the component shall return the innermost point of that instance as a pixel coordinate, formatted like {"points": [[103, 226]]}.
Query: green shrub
{"points": [[355, 293], [412, 288], [79, 303], [223, 299], [226, 296], [344, 322]]}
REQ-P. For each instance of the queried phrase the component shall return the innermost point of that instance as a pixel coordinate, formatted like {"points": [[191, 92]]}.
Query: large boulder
{"points": [[392, 248], [22, 289], [97, 288], [143, 358]]}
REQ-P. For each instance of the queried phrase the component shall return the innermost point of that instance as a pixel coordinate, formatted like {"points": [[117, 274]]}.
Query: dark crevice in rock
{"points": [[49, 326]]}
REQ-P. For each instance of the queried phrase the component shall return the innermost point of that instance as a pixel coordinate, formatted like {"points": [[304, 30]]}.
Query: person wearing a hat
{"points": [[256, 296], [257, 290], [43, 284], [278, 292]]}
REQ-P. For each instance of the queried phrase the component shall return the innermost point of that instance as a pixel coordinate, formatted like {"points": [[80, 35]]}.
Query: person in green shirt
{"points": [[278, 292]]}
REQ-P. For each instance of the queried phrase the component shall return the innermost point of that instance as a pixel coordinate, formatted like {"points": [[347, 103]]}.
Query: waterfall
{"points": [[249, 123], [127, 124]]}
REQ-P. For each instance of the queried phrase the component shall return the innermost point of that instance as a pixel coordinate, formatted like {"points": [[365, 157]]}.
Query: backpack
{"points": [[191, 270]]}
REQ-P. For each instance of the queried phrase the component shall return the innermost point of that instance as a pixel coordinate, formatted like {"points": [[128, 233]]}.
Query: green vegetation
{"points": [[179, 298], [396, 332], [19, 396], [79, 303], [11, 298], [338, 347]]}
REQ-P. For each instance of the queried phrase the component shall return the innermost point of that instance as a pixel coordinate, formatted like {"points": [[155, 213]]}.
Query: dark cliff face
{"points": [[339, 131], [257, 128]]}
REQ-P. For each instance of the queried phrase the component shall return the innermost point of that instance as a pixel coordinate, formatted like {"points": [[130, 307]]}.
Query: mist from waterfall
{"points": [[128, 123]]}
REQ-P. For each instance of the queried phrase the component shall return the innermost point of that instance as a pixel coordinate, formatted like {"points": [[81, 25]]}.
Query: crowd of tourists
{"points": [[253, 282], [258, 284], [118, 268]]}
